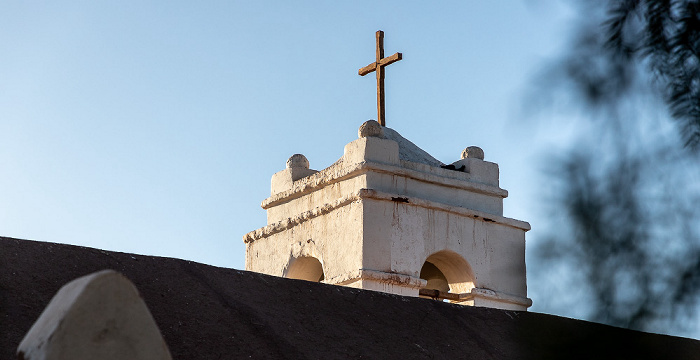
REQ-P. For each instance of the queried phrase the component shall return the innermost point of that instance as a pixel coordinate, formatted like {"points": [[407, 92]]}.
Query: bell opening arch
{"points": [[447, 273], [305, 268]]}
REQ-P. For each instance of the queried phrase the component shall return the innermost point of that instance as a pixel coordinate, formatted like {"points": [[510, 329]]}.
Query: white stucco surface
{"points": [[374, 218]]}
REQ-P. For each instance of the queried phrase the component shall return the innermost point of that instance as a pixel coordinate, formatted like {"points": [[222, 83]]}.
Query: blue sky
{"points": [[154, 128]]}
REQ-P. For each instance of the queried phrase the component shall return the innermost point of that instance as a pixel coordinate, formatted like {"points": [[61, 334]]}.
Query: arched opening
{"points": [[305, 268], [448, 275]]}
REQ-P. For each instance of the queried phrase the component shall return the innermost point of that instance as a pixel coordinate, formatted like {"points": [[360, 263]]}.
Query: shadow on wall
{"points": [[305, 268], [447, 272]]}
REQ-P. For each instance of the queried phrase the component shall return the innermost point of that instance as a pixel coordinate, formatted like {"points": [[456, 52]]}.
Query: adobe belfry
{"points": [[389, 217]]}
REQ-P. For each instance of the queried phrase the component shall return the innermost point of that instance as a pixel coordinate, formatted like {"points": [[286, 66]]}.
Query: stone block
{"points": [[372, 149], [98, 316], [297, 168], [284, 180], [484, 172]]}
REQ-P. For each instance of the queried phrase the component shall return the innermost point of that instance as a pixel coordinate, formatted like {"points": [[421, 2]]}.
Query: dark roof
{"points": [[206, 312]]}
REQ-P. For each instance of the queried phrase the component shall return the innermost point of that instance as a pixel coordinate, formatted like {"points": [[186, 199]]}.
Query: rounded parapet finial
{"points": [[297, 161], [473, 152], [370, 128]]}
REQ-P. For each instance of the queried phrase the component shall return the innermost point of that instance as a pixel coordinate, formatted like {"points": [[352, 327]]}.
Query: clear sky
{"points": [[154, 128]]}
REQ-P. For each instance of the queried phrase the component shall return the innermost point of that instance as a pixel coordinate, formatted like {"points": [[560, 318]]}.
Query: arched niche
{"points": [[447, 272], [305, 268]]}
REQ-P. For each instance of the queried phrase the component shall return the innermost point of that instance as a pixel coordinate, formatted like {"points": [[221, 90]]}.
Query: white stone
{"points": [[473, 152], [297, 161], [370, 128], [98, 316], [297, 168], [373, 219]]}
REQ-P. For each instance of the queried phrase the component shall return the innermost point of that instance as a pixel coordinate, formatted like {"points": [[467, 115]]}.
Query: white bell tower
{"points": [[389, 217]]}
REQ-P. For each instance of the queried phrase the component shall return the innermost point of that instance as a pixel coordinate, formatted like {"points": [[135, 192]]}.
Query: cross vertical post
{"points": [[378, 67]]}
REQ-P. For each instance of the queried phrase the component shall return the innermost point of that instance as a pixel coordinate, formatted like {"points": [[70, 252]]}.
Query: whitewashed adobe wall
{"points": [[389, 217]]}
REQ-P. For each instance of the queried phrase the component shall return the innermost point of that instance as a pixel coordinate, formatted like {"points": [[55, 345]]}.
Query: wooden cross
{"points": [[378, 66]]}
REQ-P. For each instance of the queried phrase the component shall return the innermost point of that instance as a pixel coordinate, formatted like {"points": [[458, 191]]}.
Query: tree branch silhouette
{"points": [[624, 200]]}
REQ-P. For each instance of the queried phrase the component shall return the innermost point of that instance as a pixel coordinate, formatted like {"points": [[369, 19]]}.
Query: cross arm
{"points": [[383, 62], [390, 59], [368, 69]]}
